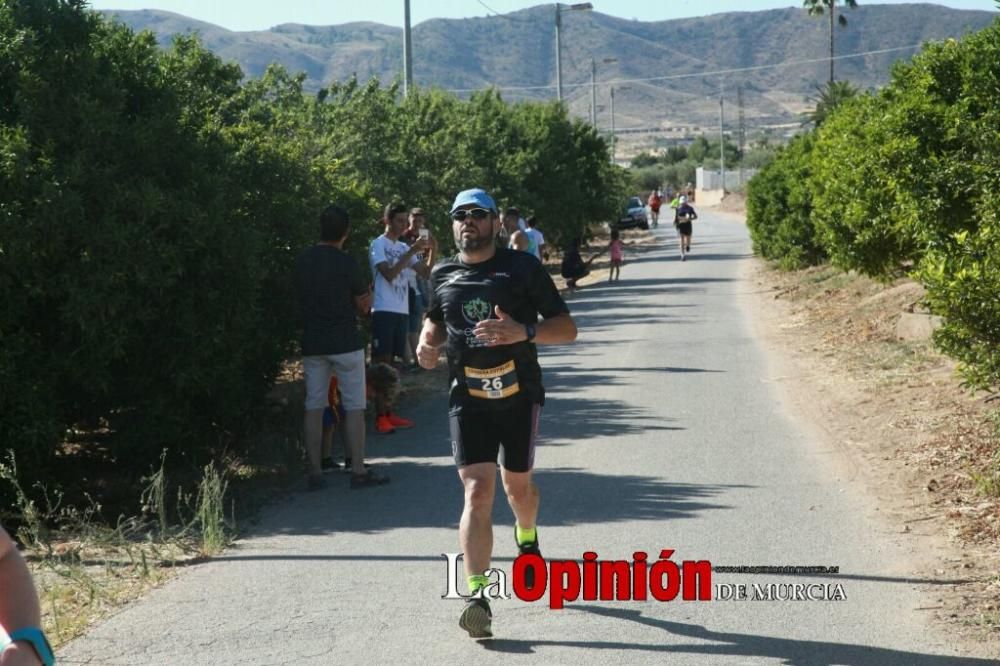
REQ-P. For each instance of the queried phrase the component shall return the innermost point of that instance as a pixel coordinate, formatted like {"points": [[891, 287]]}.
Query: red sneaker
{"points": [[383, 426], [399, 421]]}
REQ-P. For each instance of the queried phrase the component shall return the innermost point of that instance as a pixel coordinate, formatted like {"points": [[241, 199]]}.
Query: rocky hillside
{"points": [[517, 50]]}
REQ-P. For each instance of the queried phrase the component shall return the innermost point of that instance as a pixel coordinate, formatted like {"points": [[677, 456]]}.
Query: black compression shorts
{"points": [[481, 436]]}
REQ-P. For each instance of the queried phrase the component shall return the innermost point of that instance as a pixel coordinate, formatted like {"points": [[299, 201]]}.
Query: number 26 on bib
{"points": [[492, 383]]}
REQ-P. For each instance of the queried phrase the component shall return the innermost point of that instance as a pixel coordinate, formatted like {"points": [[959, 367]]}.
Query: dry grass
{"points": [[91, 580]]}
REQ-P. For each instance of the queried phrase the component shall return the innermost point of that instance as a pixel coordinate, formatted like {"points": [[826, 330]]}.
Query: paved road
{"points": [[661, 431]]}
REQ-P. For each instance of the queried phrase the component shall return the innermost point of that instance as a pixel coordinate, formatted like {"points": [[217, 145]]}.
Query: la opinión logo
{"points": [[592, 579]]}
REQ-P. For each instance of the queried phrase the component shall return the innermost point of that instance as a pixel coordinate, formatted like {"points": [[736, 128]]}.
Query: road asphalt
{"points": [[661, 431]]}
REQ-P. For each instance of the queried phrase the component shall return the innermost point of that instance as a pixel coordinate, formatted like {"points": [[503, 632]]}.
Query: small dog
{"points": [[382, 384]]}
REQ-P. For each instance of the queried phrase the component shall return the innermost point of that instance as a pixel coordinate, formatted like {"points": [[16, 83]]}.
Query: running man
{"points": [[485, 304], [654, 202], [685, 214]]}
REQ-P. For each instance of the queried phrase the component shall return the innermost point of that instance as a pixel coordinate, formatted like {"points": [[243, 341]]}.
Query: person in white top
{"points": [[536, 241], [390, 259], [392, 262]]}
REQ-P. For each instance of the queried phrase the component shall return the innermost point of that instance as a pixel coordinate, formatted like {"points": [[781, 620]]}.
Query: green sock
{"points": [[525, 536], [477, 582]]}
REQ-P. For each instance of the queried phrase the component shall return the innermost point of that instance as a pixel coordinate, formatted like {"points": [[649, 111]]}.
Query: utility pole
{"points": [[558, 56], [593, 87], [593, 93], [580, 6], [407, 51], [613, 125], [722, 140], [742, 129]]}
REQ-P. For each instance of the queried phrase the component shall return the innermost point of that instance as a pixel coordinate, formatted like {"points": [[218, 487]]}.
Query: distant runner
{"points": [[685, 215], [654, 202]]}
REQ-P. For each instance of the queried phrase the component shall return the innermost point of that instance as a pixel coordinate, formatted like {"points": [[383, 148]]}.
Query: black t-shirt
{"points": [[326, 280], [463, 295], [685, 213]]}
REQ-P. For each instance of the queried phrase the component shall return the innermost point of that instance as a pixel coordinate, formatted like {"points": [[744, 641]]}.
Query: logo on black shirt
{"points": [[476, 310]]}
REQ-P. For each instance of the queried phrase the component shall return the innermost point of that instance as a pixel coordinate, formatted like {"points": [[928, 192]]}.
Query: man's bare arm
{"points": [[391, 272], [556, 330], [432, 336]]}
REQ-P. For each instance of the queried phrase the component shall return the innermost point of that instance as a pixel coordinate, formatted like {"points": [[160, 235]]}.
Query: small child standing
{"points": [[617, 250]]}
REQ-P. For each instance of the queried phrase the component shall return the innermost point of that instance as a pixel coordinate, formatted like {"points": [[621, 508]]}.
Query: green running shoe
{"points": [[528, 549], [477, 619]]}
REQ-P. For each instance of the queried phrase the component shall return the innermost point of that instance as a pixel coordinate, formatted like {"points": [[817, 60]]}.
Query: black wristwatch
{"points": [[529, 330]]}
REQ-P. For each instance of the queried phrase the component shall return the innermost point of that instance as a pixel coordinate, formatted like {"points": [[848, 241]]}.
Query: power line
{"points": [[717, 72], [503, 16]]}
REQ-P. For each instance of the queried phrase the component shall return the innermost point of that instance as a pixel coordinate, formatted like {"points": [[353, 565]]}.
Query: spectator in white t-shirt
{"points": [[390, 259], [536, 241]]}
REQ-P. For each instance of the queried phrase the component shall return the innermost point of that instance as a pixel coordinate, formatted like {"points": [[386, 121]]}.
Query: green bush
{"points": [[961, 267], [152, 204], [962, 285], [906, 181], [145, 241], [892, 180], [779, 207]]}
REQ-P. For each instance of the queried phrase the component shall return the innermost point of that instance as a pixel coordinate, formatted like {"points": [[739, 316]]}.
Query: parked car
{"points": [[634, 215]]}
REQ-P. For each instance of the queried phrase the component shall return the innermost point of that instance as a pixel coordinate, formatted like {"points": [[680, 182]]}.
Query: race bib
{"points": [[492, 383]]}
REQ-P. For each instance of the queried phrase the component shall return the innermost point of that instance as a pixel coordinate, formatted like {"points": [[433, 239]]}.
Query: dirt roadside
{"points": [[915, 442]]}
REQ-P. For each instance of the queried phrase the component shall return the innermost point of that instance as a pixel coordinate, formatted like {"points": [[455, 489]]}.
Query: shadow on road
{"points": [[789, 651], [426, 495]]}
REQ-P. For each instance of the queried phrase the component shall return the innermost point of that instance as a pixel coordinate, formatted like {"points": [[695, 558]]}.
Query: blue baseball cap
{"points": [[474, 196]]}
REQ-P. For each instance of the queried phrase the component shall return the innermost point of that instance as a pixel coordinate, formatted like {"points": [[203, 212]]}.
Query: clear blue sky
{"points": [[263, 14]]}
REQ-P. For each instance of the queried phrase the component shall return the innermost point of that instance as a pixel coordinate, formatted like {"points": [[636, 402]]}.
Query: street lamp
{"points": [[593, 88], [580, 6]]}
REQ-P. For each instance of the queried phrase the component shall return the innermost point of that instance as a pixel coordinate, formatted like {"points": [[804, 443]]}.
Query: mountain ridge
{"points": [[668, 70]]}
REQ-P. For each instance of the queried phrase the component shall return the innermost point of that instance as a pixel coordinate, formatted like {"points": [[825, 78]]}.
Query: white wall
{"points": [[712, 180]]}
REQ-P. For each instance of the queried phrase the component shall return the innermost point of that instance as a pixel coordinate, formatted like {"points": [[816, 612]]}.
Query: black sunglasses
{"points": [[476, 214]]}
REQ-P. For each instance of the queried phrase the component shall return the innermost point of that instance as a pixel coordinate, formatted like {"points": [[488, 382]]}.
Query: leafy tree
{"points": [[147, 211], [152, 203], [711, 157], [818, 7], [699, 149], [644, 160], [675, 154], [830, 96], [758, 157], [961, 264], [779, 208], [904, 182], [647, 178]]}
